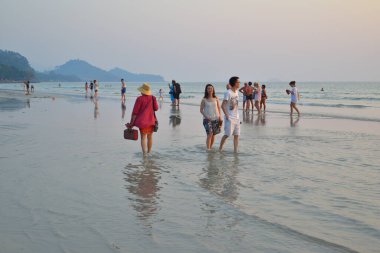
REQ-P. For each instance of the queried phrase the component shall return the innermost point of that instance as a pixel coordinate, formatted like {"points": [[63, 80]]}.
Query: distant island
{"points": [[16, 68]]}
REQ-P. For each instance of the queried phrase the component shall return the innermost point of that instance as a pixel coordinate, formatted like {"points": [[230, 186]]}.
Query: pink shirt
{"points": [[143, 110]]}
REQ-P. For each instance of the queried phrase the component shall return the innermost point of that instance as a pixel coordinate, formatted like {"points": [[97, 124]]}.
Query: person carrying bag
{"points": [[144, 117]]}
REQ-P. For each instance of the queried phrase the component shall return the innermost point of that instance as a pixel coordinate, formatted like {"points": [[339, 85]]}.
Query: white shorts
{"points": [[231, 127]]}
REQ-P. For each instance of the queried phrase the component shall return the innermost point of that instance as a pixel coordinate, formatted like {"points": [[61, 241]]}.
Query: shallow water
{"points": [[347, 100], [70, 183]]}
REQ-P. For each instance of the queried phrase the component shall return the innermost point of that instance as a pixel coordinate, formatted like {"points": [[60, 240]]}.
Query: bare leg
{"points": [[208, 141], [222, 142], [295, 107], [143, 143], [257, 106], [291, 109], [150, 142], [212, 141], [236, 143]]}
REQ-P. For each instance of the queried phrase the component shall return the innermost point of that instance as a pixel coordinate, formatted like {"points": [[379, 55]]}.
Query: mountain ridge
{"points": [[86, 71], [15, 67]]}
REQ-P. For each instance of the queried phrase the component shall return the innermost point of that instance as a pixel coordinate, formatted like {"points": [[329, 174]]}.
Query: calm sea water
{"points": [[352, 100], [70, 183]]}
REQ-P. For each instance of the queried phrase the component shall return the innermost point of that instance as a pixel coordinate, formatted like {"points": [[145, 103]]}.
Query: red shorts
{"points": [[147, 130]]}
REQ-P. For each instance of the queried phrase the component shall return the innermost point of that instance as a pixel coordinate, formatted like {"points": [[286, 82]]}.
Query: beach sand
{"points": [[69, 182]]}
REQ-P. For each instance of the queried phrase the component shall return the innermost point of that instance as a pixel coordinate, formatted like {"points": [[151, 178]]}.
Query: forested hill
{"points": [[14, 67]]}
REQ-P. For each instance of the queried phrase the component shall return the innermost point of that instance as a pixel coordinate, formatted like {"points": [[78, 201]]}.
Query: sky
{"points": [[201, 40]]}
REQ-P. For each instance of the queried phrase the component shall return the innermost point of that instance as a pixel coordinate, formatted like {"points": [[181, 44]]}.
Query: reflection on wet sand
{"points": [[142, 184], [175, 116], [220, 176], [293, 123], [123, 108], [260, 119], [96, 108], [247, 117]]}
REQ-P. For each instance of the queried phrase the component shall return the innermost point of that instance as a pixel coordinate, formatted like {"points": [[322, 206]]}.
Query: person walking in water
{"points": [[161, 98], [231, 114], [257, 96], [249, 94], [243, 90], [123, 89], [177, 92], [91, 87], [264, 96], [210, 109], [294, 97], [143, 116], [96, 84], [171, 91]]}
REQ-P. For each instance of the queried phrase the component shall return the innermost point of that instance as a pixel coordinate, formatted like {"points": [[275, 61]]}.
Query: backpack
{"points": [[178, 88]]}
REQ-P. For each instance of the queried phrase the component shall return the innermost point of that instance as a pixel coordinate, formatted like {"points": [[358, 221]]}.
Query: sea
{"points": [[69, 182]]}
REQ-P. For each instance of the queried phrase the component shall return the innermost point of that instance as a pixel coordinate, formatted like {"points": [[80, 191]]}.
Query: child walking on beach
{"points": [[294, 97], [161, 95], [210, 109], [231, 113]]}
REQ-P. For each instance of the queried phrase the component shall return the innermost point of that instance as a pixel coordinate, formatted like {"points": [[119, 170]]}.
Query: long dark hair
{"points": [[213, 91]]}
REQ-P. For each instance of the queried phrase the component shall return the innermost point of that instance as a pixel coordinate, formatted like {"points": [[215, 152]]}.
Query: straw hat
{"points": [[145, 89]]}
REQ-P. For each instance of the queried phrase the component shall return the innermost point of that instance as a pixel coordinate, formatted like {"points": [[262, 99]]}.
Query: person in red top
{"points": [[143, 117]]}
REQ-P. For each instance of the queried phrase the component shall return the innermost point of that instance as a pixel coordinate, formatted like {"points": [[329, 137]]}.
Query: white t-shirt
{"points": [[232, 99], [294, 96]]}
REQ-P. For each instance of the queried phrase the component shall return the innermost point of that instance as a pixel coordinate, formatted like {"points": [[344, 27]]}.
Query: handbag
{"points": [[156, 122], [217, 127], [131, 134]]}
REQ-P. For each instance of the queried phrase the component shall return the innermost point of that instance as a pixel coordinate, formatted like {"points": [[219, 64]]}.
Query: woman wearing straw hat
{"points": [[143, 116]]}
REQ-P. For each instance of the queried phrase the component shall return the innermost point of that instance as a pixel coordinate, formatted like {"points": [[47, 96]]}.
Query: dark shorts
{"points": [[249, 97], [176, 95], [123, 90], [211, 126]]}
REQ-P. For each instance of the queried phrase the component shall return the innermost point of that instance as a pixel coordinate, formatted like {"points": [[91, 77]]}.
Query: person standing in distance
{"points": [[123, 89], [230, 107]]}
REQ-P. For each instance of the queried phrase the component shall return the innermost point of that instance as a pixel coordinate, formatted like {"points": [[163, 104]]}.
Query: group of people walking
{"points": [[28, 88], [143, 113], [94, 85], [212, 118]]}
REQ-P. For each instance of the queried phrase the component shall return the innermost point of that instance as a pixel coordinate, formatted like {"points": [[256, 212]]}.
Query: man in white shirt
{"points": [[231, 113]]}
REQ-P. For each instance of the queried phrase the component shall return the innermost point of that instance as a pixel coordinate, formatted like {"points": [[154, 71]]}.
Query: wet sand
{"points": [[70, 182]]}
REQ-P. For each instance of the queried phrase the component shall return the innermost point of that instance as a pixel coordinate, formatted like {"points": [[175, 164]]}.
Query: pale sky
{"points": [[201, 40]]}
